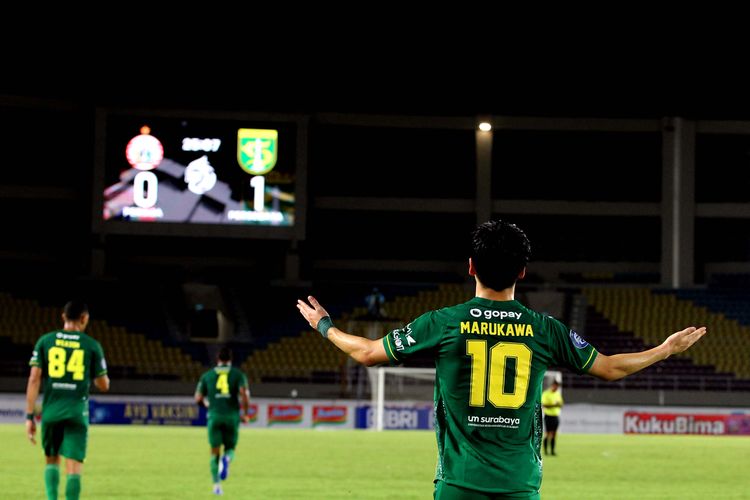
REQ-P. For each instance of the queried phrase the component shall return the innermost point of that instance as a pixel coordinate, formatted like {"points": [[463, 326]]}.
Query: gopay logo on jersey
{"points": [[491, 313]]}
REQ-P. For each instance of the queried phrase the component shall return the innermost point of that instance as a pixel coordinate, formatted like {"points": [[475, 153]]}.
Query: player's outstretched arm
{"points": [[621, 365], [365, 351]]}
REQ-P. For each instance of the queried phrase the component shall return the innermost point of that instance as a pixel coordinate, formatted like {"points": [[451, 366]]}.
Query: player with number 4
{"points": [[490, 355], [224, 390], [67, 360]]}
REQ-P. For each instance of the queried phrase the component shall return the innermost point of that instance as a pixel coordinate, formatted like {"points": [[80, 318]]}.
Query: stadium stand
{"points": [[629, 319], [129, 354], [726, 294], [303, 357], [618, 319]]}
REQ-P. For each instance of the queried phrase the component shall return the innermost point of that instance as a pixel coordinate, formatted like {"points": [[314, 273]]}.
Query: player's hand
{"points": [[245, 419], [682, 340], [312, 312], [31, 431]]}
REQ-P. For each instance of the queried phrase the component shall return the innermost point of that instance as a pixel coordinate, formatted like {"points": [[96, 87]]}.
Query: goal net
{"points": [[396, 387], [401, 393]]}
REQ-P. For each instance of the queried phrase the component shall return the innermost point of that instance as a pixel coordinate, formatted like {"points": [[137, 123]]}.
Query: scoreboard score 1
{"points": [[160, 170]]}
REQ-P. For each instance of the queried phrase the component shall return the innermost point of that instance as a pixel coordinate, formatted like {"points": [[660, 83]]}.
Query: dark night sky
{"points": [[386, 87]]}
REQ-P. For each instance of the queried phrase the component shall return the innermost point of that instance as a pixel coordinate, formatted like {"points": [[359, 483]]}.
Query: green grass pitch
{"points": [[136, 462]]}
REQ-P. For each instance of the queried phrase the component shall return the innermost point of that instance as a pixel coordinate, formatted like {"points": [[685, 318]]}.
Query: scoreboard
{"points": [[173, 173]]}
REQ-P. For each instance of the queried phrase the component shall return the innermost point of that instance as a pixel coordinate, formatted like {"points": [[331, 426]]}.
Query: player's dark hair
{"points": [[500, 250], [74, 309], [225, 354]]}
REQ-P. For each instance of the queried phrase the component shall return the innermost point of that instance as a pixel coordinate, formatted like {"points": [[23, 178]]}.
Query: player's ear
{"points": [[522, 274], [472, 270]]}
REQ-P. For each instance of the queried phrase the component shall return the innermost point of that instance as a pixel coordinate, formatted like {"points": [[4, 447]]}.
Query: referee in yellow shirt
{"points": [[552, 403]]}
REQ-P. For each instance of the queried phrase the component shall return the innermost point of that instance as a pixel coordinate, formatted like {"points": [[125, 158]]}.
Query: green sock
{"points": [[73, 487], [215, 468], [52, 480], [230, 454]]}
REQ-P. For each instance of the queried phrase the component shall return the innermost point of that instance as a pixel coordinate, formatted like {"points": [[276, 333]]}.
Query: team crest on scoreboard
{"points": [[257, 150], [144, 151]]}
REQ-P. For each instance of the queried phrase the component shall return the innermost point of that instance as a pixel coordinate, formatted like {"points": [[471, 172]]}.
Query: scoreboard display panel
{"points": [[198, 176]]}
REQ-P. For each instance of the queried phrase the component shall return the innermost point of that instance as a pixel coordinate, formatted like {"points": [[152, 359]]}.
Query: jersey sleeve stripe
{"points": [[389, 350], [33, 363], [101, 374], [593, 351]]}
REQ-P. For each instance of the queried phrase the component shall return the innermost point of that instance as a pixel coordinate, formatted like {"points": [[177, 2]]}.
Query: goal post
{"points": [[412, 386]]}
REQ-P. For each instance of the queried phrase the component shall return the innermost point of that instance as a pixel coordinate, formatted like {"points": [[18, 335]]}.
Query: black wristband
{"points": [[30, 416], [324, 325]]}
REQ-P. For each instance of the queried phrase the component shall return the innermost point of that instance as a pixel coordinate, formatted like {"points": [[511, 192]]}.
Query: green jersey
{"points": [[490, 360], [221, 387], [69, 361]]}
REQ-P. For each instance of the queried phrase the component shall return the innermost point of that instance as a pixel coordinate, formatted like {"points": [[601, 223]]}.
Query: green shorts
{"points": [[224, 431], [444, 491], [65, 437]]}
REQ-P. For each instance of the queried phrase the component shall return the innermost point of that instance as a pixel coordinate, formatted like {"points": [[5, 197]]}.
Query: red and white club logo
{"points": [[144, 151]]}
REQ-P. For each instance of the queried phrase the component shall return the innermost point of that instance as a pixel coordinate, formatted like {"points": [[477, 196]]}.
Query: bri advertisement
{"points": [[417, 416]]}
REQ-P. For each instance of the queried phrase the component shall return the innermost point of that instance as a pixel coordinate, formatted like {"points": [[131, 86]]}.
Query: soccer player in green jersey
{"points": [[490, 355], [219, 390], [67, 360]]}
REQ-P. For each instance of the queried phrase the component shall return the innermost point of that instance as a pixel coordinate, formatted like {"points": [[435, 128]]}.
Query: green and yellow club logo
{"points": [[257, 150]]}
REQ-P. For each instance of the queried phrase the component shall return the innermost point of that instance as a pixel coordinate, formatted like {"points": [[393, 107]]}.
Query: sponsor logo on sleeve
{"points": [[397, 340], [409, 338], [578, 340]]}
